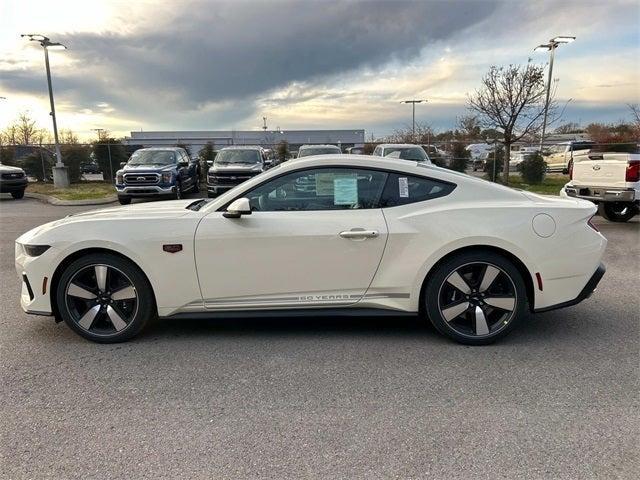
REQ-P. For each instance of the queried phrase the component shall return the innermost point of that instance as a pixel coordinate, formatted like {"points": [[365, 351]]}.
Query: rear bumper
{"points": [[586, 292], [601, 194]]}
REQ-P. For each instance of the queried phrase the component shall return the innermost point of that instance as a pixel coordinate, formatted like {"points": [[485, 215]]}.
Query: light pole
{"points": [[551, 48], [60, 174], [413, 104]]}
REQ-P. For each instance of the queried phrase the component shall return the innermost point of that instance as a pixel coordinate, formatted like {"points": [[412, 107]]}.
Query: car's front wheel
{"points": [[476, 297], [618, 211], [124, 200], [104, 298], [18, 194]]}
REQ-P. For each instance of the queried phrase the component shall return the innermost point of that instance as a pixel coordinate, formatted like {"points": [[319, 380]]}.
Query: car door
{"points": [[315, 246]]}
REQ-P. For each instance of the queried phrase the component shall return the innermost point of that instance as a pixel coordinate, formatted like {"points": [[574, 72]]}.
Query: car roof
{"points": [[324, 145], [161, 149], [241, 147], [398, 145]]}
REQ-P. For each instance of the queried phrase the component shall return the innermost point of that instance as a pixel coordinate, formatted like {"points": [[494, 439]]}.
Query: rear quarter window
{"points": [[405, 189]]}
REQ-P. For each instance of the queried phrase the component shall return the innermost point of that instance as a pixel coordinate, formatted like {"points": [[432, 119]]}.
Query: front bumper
{"points": [[9, 186], [601, 194], [36, 274], [144, 191], [586, 292]]}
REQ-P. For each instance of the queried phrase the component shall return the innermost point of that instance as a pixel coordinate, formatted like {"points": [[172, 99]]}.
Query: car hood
{"points": [[10, 169], [147, 168], [149, 210], [236, 167]]}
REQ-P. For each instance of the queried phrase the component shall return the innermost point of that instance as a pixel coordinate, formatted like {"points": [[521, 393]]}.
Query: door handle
{"points": [[359, 234]]}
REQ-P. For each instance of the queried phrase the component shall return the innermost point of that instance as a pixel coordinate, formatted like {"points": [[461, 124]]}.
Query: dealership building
{"points": [[267, 138]]}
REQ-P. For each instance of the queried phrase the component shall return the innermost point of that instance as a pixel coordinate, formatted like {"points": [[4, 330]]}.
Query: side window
{"points": [[320, 189], [377, 151], [403, 189]]}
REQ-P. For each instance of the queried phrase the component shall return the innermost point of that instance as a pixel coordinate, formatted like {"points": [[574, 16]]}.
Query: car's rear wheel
{"points": [[104, 298], [475, 298], [18, 194], [618, 211]]}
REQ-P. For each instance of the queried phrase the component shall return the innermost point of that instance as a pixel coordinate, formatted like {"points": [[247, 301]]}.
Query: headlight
{"points": [[166, 177], [35, 250], [119, 178]]}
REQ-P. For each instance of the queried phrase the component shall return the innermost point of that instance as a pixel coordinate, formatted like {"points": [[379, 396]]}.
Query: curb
{"points": [[57, 201]]}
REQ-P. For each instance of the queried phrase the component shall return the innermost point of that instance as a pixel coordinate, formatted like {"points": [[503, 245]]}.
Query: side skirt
{"points": [[295, 312]]}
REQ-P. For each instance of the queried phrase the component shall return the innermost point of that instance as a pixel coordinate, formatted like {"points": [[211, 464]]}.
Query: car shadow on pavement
{"points": [[291, 326]]}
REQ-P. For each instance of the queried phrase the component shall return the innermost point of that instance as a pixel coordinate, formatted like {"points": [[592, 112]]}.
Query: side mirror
{"points": [[210, 163], [238, 208], [122, 164]]}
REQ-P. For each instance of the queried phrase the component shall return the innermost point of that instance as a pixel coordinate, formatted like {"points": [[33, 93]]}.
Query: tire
{"points": [[475, 298], [114, 313], [124, 200], [617, 211], [212, 194], [177, 195], [18, 194]]}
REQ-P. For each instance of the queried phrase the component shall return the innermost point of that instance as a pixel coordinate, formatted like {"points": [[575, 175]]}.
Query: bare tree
{"points": [[424, 134], [512, 100], [635, 115], [470, 127], [24, 131], [570, 127]]}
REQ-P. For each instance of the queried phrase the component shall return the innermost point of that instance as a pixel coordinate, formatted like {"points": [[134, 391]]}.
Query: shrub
{"points": [[460, 158], [37, 165], [491, 159], [109, 149], [73, 156], [533, 169]]}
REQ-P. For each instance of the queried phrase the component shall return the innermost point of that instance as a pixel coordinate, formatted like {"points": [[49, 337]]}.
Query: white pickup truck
{"points": [[610, 179]]}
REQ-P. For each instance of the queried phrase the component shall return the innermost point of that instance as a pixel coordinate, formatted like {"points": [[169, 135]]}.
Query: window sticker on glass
{"points": [[403, 186], [345, 190], [324, 183]]}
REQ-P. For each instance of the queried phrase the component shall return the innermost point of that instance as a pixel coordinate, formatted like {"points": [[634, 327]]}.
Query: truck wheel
{"points": [[618, 211], [124, 200], [177, 195], [18, 194], [211, 194]]}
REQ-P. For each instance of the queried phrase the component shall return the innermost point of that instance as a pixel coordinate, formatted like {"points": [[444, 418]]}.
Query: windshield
{"points": [[306, 152], [406, 153], [248, 157], [153, 157]]}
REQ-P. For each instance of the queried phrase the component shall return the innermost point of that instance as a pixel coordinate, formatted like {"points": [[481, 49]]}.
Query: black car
{"points": [[90, 167]]}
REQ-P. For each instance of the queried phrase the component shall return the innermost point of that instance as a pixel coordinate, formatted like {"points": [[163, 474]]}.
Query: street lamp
{"points": [[551, 48], [60, 174], [413, 104]]}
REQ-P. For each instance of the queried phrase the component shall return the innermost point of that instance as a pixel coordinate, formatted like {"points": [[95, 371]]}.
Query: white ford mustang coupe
{"points": [[327, 235]]}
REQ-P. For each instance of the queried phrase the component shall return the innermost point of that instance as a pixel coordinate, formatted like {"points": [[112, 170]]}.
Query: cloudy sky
{"points": [[196, 65]]}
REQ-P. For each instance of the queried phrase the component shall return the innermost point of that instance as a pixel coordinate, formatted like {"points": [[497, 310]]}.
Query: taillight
{"points": [[633, 171], [571, 170], [591, 224]]}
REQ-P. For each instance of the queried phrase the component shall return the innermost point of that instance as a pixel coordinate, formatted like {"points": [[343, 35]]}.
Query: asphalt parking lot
{"points": [[318, 398]]}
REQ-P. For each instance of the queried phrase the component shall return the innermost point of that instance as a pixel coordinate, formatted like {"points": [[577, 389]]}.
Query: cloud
{"points": [[204, 53]]}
